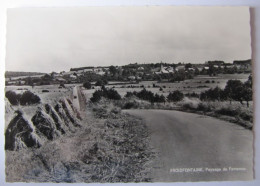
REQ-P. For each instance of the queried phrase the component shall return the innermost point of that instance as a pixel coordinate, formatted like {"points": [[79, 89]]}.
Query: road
{"points": [[186, 140]]}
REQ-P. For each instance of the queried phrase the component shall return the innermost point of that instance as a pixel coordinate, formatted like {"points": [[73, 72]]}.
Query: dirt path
{"points": [[186, 140]]}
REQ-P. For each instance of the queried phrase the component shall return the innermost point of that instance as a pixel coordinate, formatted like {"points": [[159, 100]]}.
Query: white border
{"points": [[255, 23]]}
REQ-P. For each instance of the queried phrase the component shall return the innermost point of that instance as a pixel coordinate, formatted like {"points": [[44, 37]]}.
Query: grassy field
{"points": [[197, 85]]}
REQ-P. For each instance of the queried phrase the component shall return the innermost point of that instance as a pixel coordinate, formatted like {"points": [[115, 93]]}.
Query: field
{"points": [[198, 84]]}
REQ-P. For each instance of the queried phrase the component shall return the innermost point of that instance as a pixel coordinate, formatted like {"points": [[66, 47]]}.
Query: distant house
{"points": [[131, 78], [170, 69], [73, 76], [218, 63], [181, 67], [244, 65], [61, 80], [140, 68]]}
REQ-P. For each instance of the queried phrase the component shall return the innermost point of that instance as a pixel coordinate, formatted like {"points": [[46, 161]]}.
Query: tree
{"points": [[101, 82], [87, 85], [213, 94], [248, 92], [29, 98], [234, 90], [96, 96], [112, 70], [188, 65], [175, 96], [106, 93]]}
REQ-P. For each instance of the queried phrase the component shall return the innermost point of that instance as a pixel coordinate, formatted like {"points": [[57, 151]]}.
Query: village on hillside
{"points": [[131, 72]]}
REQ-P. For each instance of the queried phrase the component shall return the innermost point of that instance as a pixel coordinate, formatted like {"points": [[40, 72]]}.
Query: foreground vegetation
{"points": [[108, 146]]}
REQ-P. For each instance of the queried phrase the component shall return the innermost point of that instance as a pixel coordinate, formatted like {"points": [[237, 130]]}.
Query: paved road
{"points": [[186, 140]]}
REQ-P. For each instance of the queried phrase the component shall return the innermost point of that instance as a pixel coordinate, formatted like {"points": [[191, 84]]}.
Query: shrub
{"points": [[129, 94], [203, 107], [213, 94], [145, 95], [13, 98], [158, 98], [96, 96], [101, 82], [29, 98], [246, 116], [175, 96], [106, 93], [129, 105], [111, 94], [87, 85], [228, 111]]}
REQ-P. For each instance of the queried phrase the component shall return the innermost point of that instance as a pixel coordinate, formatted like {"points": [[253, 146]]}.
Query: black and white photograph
{"points": [[128, 94]]}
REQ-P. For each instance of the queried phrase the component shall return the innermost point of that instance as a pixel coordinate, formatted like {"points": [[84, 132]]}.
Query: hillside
{"points": [[9, 74]]}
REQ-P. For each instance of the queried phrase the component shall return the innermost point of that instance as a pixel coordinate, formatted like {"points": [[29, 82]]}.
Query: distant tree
{"points": [[47, 77], [159, 98], [101, 82], [188, 65], [87, 85], [145, 95], [112, 70], [62, 85], [175, 96], [129, 94], [213, 94]]}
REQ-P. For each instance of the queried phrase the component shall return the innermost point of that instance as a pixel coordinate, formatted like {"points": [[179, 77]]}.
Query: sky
{"points": [[57, 39]]}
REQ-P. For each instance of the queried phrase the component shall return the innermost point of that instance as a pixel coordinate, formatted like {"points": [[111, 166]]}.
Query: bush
{"points": [[13, 98], [145, 95], [96, 96], [112, 94], [101, 82], [129, 105], [29, 98], [87, 85], [106, 93], [213, 94], [129, 94], [228, 111], [175, 96], [203, 107], [246, 117]]}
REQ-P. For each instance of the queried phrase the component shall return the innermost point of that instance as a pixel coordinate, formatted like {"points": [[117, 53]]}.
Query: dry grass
{"points": [[111, 148]]}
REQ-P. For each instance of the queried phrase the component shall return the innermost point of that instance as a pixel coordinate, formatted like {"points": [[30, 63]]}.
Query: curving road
{"points": [[206, 144]]}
